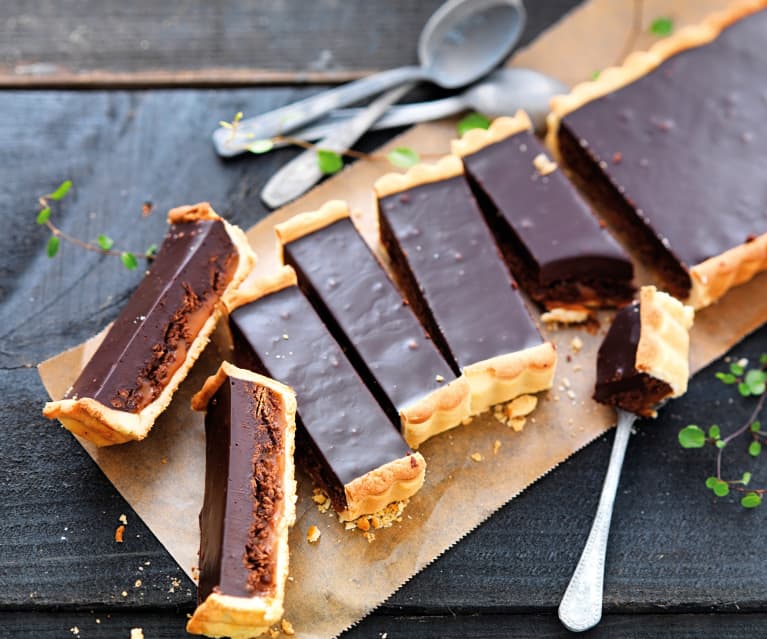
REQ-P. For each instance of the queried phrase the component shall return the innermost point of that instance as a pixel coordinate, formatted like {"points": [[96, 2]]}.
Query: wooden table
{"points": [[679, 562]]}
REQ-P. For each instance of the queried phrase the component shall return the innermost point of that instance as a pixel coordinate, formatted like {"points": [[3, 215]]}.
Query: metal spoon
{"points": [[581, 605], [460, 43]]}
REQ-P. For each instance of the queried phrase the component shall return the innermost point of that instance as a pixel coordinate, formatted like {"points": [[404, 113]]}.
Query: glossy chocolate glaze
{"points": [[438, 240], [282, 336], [561, 237], [244, 445], [150, 337], [367, 315], [686, 145]]}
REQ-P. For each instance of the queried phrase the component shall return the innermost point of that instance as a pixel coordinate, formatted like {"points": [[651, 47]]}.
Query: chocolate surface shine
{"points": [[150, 337], [346, 425], [692, 143], [454, 260], [562, 236], [350, 289]]}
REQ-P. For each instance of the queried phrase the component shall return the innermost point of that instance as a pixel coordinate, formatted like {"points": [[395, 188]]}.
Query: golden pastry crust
{"points": [[103, 425], [440, 410], [447, 167], [641, 63], [306, 223], [396, 480], [283, 278], [501, 128], [664, 338], [192, 213], [500, 379], [243, 617]]}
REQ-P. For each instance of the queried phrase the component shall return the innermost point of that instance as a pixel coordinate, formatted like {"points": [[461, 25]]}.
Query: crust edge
{"points": [[261, 287], [306, 223], [501, 128], [440, 410], [446, 167]]}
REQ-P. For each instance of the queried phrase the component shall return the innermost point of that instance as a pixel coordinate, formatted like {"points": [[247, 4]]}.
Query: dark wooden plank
{"points": [[196, 42]]}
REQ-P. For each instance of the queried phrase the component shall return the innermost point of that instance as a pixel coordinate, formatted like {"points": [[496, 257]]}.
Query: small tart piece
{"points": [[362, 307], [690, 112], [643, 359], [347, 442], [249, 502], [445, 260], [160, 332], [549, 237]]}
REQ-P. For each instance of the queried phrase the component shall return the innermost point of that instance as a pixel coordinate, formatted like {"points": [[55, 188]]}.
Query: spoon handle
{"points": [[303, 171], [297, 114], [581, 606]]}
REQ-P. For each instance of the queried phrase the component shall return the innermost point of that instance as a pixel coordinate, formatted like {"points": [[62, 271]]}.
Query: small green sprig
{"points": [[103, 243], [662, 26], [750, 382]]}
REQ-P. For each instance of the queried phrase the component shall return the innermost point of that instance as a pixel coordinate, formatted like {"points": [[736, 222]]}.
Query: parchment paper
{"points": [[340, 579]]}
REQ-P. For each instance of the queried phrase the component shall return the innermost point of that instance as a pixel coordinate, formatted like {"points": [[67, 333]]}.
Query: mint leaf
{"points": [[755, 449], [595, 75], [472, 121], [711, 482], [721, 488], [105, 243], [727, 378], [736, 369], [129, 260], [751, 500], [714, 432], [755, 380], [60, 191], [53, 246], [746, 478], [744, 389], [44, 215], [151, 251], [692, 437], [329, 161], [403, 157], [755, 427], [662, 26]]}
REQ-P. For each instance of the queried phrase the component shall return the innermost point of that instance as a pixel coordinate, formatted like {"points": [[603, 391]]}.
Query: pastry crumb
{"points": [[496, 446], [136, 633], [124, 593], [544, 164], [119, 533], [521, 406], [576, 344], [439, 378], [274, 633], [369, 536], [74, 630], [517, 424], [384, 518], [477, 457], [137, 583], [363, 523], [313, 534], [287, 627], [164, 460], [565, 316], [321, 499], [123, 519], [467, 420]]}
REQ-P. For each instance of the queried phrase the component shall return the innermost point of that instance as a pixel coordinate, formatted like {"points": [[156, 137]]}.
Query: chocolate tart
{"points": [[446, 261], [346, 441], [249, 502], [670, 144], [548, 235], [160, 332], [643, 359], [381, 335]]}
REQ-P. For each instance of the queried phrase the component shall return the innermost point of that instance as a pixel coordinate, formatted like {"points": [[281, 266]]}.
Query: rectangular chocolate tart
{"points": [[249, 502], [551, 240], [362, 307], [347, 442], [446, 261], [160, 332], [672, 144], [643, 359]]}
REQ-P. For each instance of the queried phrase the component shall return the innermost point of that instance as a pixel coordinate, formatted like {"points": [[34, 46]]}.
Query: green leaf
{"points": [[261, 146], [714, 432], [105, 242], [736, 369], [755, 427], [751, 500], [711, 482], [692, 437], [129, 261], [755, 380], [763, 359], [754, 449], [44, 215], [595, 75], [472, 121], [403, 157], [746, 478], [225, 124], [662, 26], [151, 251], [329, 161], [727, 378], [53, 246], [60, 191], [743, 389], [720, 443], [721, 488]]}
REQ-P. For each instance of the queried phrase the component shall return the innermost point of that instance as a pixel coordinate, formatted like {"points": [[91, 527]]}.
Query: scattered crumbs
{"points": [[439, 378], [136, 633], [532, 419], [195, 573], [350, 525], [164, 460], [577, 368], [285, 336], [496, 446], [477, 457], [123, 519], [287, 627], [274, 633], [147, 563], [124, 593], [98, 620], [571, 394], [565, 382], [521, 406], [137, 583], [119, 532], [175, 582], [146, 209], [544, 164], [384, 635], [565, 316], [290, 578], [313, 534], [74, 630], [576, 344], [466, 421], [321, 499], [742, 362], [384, 518], [369, 536], [517, 423]]}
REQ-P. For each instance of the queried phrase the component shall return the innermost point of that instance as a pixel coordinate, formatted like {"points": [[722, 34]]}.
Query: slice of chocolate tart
{"points": [[249, 502], [362, 307], [671, 144], [643, 359], [551, 240], [160, 332], [346, 441], [446, 261]]}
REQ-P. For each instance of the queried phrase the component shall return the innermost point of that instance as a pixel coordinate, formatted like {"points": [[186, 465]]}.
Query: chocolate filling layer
{"points": [[680, 152], [367, 315], [245, 431], [343, 432], [453, 276], [149, 339], [548, 235], [619, 383]]}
